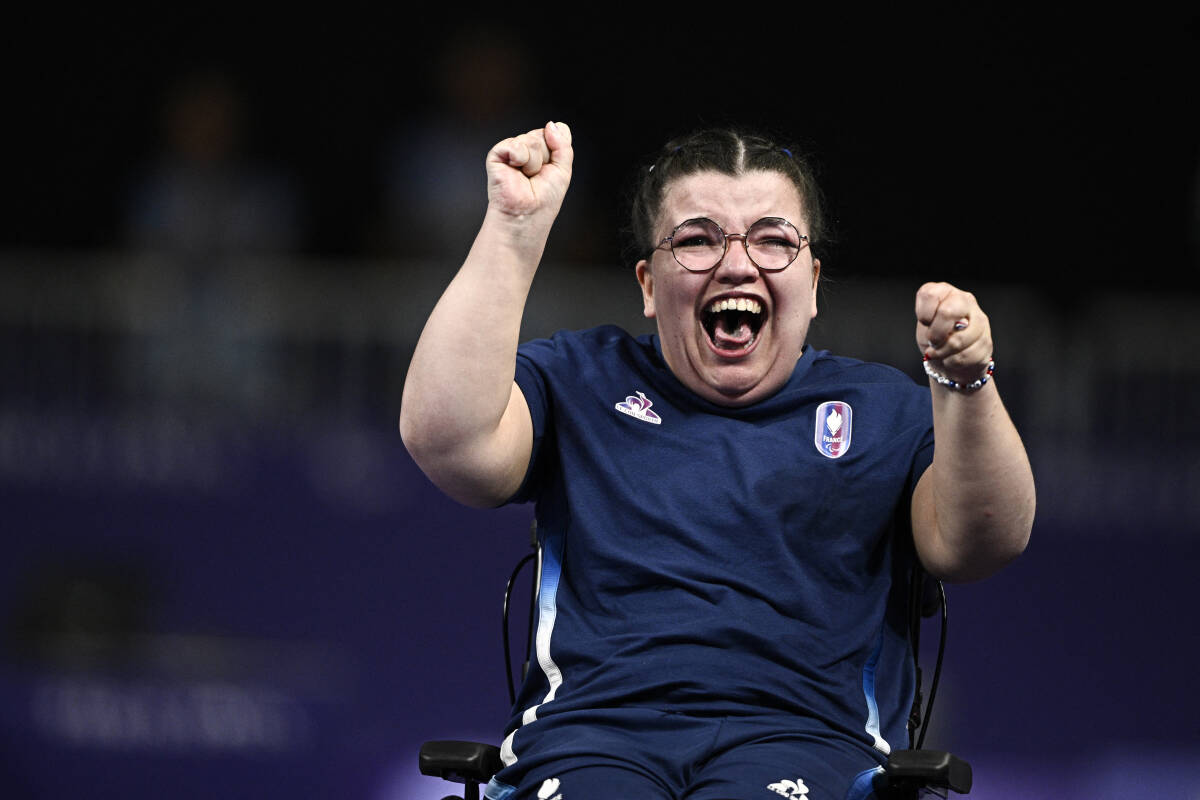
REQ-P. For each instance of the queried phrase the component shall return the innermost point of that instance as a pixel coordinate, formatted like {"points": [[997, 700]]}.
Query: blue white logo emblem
{"points": [[639, 408], [834, 426]]}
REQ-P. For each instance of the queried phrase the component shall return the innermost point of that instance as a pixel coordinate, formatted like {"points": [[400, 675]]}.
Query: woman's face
{"points": [[741, 355]]}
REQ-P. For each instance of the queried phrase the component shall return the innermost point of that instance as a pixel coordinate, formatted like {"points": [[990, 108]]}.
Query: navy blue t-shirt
{"points": [[713, 560]]}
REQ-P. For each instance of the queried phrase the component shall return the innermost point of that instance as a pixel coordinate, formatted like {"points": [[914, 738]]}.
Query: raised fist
{"points": [[953, 332], [529, 173]]}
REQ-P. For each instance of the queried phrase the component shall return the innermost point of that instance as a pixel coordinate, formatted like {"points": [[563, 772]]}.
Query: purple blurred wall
{"points": [[300, 619]]}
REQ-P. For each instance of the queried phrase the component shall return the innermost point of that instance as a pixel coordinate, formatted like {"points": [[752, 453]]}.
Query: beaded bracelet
{"points": [[950, 383]]}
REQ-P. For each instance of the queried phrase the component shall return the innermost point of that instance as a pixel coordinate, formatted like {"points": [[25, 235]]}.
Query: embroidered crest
{"points": [[639, 408], [833, 429]]}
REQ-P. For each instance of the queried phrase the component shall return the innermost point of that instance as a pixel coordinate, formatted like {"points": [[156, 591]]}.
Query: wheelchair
{"points": [[908, 774]]}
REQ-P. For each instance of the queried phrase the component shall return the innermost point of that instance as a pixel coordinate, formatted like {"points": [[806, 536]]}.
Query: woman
{"points": [[726, 513]]}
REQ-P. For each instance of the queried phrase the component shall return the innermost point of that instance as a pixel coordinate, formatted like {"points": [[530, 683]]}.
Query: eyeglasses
{"points": [[700, 244]]}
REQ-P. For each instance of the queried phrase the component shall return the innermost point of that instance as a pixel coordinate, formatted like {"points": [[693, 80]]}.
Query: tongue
{"points": [[732, 332]]}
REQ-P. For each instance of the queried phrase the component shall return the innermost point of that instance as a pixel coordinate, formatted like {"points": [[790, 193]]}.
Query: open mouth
{"points": [[733, 323]]}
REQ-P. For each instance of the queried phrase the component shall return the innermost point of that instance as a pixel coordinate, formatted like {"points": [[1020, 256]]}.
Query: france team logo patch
{"points": [[834, 425]]}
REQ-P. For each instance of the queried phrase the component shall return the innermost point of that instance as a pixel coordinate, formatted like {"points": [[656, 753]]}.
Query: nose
{"points": [[736, 266]]}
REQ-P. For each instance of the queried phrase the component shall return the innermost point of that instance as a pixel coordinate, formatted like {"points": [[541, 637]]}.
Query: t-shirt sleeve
{"points": [[534, 360]]}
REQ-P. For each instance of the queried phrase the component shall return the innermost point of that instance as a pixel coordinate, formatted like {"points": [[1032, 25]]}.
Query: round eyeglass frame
{"points": [[803, 237]]}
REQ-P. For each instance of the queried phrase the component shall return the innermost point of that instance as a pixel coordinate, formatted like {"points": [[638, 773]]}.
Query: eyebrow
{"points": [[751, 225]]}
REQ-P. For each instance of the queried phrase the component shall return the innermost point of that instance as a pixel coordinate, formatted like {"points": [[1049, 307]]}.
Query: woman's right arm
{"points": [[462, 418]]}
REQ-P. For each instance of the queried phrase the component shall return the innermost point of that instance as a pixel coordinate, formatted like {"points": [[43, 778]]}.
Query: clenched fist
{"points": [[529, 174], [953, 332]]}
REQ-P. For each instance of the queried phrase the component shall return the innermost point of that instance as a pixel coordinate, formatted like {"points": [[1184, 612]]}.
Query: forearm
{"points": [[974, 507]]}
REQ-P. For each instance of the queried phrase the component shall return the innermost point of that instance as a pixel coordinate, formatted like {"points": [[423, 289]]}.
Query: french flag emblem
{"points": [[834, 425]]}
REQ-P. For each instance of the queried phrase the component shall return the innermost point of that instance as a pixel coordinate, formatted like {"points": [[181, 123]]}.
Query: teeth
{"points": [[736, 304]]}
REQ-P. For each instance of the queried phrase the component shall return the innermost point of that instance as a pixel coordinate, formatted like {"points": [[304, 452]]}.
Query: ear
{"points": [[816, 277], [646, 281]]}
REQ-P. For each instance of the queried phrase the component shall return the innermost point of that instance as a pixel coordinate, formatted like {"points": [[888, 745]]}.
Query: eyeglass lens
{"points": [[772, 243]]}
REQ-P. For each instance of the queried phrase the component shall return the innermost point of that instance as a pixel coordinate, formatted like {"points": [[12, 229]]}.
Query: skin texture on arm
{"points": [[972, 510], [462, 418]]}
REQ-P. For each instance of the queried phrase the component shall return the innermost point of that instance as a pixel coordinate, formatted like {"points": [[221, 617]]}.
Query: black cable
{"points": [[937, 667], [512, 691], [535, 575]]}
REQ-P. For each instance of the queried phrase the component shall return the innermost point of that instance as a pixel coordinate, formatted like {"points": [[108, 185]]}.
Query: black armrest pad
{"points": [[928, 768], [460, 761]]}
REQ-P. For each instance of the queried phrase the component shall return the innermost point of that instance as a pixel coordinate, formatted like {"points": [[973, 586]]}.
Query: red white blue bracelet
{"points": [[950, 383]]}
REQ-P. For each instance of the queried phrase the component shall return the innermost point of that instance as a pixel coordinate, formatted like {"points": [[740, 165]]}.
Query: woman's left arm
{"points": [[972, 510]]}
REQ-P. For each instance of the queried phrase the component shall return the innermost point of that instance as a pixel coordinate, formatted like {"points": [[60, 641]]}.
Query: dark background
{"points": [[224, 575], [1048, 149]]}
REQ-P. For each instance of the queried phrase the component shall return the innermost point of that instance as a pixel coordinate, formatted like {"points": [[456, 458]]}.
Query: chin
{"points": [[736, 389], [727, 382]]}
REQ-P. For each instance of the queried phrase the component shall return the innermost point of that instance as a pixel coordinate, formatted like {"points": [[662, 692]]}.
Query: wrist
{"points": [[960, 386], [523, 236]]}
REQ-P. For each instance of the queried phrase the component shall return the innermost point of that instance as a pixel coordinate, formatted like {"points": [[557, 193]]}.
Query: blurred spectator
{"points": [[203, 214], [203, 197], [434, 189]]}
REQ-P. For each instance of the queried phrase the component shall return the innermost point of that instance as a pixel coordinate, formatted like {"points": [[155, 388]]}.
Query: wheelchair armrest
{"points": [[460, 762], [907, 769]]}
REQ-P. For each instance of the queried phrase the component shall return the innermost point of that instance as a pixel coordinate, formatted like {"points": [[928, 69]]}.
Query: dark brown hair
{"points": [[729, 151]]}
